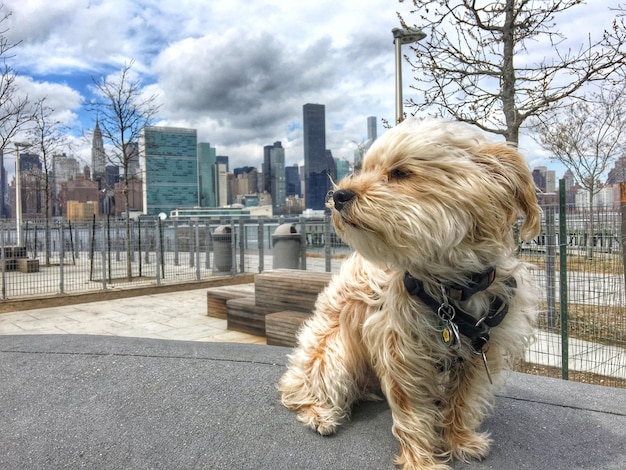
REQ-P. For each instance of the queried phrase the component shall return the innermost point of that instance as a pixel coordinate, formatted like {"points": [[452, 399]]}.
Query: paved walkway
{"points": [[175, 315], [182, 315]]}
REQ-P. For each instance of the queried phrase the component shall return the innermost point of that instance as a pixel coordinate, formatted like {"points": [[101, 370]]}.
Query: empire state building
{"points": [[98, 157]]}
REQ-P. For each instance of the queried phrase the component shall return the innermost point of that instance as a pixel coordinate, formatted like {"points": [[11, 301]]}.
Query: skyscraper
{"points": [[206, 165], [292, 180], [98, 156], [266, 168], [277, 175], [316, 180], [132, 149], [170, 168], [372, 133], [220, 182]]}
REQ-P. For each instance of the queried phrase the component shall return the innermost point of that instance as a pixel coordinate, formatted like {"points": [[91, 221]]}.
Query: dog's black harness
{"points": [[456, 320]]}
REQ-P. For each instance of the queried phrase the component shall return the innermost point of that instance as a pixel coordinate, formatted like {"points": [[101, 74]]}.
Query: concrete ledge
{"points": [[73, 401]]}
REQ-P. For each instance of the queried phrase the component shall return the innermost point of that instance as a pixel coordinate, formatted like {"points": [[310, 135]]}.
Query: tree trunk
{"points": [[590, 225], [508, 75], [47, 219]]}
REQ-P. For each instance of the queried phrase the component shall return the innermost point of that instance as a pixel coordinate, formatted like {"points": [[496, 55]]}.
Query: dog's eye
{"points": [[399, 174]]}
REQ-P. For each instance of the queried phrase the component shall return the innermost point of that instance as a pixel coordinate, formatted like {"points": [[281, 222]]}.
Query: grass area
{"points": [[605, 324], [576, 376], [601, 263]]}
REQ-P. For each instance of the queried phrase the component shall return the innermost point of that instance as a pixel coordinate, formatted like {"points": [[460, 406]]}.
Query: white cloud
{"points": [[238, 71]]}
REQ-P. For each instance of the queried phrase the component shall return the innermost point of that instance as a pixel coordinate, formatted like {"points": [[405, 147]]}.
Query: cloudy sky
{"points": [[237, 71]]}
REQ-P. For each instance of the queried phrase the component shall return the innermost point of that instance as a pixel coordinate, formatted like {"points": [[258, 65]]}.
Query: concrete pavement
{"points": [[110, 402], [178, 315]]}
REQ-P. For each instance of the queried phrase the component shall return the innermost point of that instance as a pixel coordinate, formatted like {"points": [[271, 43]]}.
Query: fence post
{"points": [[242, 244], [118, 255], [104, 257], [327, 251], [197, 232], [92, 248], [176, 260], [3, 259], [622, 193], [563, 281], [139, 245], [260, 246], [157, 272], [61, 257], [190, 243], [207, 245], [108, 244], [303, 243], [161, 248], [550, 262], [233, 246]]}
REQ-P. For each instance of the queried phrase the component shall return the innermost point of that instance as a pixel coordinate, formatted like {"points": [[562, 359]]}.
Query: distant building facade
{"points": [[206, 180], [98, 155], [220, 182], [292, 181], [316, 171], [169, 165], [277, 176]]}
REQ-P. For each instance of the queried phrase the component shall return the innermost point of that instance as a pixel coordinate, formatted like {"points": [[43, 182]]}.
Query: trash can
{"points": [[222, 248], [286, 247]]}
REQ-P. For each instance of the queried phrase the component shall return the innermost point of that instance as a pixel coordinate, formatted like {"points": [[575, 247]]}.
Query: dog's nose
{"points": [[342, 197]]}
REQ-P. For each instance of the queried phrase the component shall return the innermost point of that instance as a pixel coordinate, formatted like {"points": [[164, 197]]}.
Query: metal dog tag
{"points": [[450, 334]]}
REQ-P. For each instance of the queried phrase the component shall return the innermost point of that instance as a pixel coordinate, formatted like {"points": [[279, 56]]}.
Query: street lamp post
{"points": [[18, 192], [403, 36]]}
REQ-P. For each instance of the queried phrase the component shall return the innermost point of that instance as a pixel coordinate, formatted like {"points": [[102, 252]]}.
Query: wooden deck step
{"points": [[281, 328], [289, 289], [245, 316], [216, 298]]}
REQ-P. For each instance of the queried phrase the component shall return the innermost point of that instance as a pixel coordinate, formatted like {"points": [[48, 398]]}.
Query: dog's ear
{"points": [[511, 170]]}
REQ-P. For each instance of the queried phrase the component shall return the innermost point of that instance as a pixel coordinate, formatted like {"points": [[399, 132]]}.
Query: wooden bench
{"points": [[289, 289], [216, 298], [281, 327], [274, 306], [245, 316]]}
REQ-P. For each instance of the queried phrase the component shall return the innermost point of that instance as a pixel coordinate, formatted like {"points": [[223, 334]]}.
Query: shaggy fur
{"points": [[438, 200]]}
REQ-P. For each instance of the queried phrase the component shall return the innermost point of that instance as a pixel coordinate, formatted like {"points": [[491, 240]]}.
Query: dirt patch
{"points": [[575, 376]]}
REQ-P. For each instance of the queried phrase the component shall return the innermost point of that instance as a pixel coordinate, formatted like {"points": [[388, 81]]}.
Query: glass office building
{"points": [[316, 171], [206, 167], [170, 168]]}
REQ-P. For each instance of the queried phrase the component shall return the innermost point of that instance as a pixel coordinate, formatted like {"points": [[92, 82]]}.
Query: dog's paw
{"points": [[406, 461], [471, 446], [318, 419]]}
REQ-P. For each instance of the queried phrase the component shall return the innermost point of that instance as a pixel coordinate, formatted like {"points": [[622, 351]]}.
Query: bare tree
{"points": [[123, 110], [48, 137], [586, 136], [13, 105], [466, 63]]}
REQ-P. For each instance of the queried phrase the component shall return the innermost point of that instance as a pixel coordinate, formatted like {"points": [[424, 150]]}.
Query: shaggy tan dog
{"points": [[434, 303]]}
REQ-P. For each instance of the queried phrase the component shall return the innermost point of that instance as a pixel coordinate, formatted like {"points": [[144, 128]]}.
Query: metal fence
{"points": [[582, 321], [65, 257]]}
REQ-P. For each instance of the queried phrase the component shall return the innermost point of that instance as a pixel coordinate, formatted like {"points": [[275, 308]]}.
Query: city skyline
{"points": [[240, 80]]}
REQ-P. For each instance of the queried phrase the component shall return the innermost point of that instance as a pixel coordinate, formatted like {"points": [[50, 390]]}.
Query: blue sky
{"points": [[238, 71]]}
